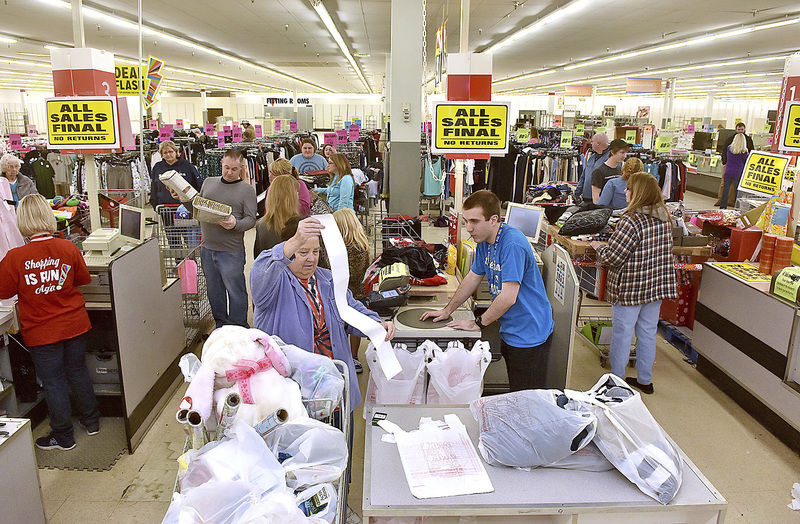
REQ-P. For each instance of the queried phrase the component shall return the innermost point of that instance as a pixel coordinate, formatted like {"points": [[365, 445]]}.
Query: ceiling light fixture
{"points": [[106, 16], [551, 17], [684, 43], [7, 40], [319, 7]]}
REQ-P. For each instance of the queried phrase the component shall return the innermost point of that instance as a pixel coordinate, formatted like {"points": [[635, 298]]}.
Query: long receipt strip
{"points": [[337, 254], [439, 459]]}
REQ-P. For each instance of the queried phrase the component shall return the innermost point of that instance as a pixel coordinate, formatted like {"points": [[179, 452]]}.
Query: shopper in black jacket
{"points": [[159, 194], [723, 150]]}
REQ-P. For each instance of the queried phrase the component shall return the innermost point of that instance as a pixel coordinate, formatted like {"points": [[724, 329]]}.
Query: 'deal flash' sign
{"points": [[470, 127], [82, 123], [763, 173]]}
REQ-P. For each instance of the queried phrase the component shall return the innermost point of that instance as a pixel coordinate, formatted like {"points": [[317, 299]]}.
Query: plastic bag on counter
{"points": [[457, 373], [530, 428], [319, 501], [318, 378], [589, 458], [242, 456], [631, 439], [407, 387], [311, 452], [215, 502], [277, 508]]}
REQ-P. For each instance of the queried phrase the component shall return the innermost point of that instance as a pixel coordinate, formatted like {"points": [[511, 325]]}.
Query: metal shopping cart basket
{"points": [[395, 227], [179, 245], [339, 418]]}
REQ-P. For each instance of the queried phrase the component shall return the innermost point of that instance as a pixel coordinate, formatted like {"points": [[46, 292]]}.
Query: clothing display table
{"points": [[540, 495], [582, 247]]}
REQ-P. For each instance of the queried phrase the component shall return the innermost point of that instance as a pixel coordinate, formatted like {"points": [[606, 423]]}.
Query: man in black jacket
{"points": [[723, 150]]}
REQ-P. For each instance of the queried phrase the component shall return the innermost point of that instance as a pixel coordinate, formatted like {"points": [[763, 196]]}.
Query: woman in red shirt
{"points": [[45, 275]]}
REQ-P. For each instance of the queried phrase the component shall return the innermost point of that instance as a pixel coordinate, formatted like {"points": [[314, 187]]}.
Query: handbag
{"points": [[586, 222]]}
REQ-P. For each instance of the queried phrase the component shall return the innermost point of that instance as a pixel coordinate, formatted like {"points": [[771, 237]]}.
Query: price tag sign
{"points": [[580, 128], [30, 129], [630, 136], [353, 134], [767, 127], [165, 133], [259, 131], [663, 144], [347, 124], [341, 136], [277, 125], [221, 139], [523, 135], [152, 124], [226, 130], [690, 128], [209, 129], [179, 123], [600, 130], [235, 123], [237, 134], [329, 139], [566, 139], [692, 158], [15, 141], [714, 161], [292, 125]]}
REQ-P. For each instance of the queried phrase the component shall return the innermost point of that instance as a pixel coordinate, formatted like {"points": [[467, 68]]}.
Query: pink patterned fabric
{"points": [[243, 370]]}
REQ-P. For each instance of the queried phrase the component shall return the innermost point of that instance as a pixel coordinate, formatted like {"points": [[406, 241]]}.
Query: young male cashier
{"points": [[519, 302]]}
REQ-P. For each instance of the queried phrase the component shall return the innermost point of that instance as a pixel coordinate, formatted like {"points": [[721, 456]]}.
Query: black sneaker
{"points": [[91, 429], [647, 389], [358, 366], [51, 442]]}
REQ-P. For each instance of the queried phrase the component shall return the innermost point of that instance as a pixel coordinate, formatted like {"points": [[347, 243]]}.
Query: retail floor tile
{"points": [[76, 510], [762, 507], [151, 485], [52, 505], [139, 512]]}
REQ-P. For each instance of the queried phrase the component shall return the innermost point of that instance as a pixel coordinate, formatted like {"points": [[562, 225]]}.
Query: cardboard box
{"points": [[694, 241]]}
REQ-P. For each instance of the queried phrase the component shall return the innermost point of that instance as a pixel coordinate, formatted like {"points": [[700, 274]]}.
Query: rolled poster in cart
{"points": [[229, 409], [197, 430]]}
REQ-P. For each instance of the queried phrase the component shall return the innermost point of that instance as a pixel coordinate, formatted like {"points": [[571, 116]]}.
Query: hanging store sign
{"points": [[630, 136], [259, 131], [523, 135], [790, 131], [30, 130], [763, 173], [577, 90], [580, 128], [236, 134], [152, 124], [470, 127], [663, 144], [277, 124], [609, 111], [15, 141], [643, 112], [566, 139], [292, 125], [647, 136], [127, 77], [82, 122], [329, 139], [642, 85], [209, 129], [154, 81], [790, 91]]}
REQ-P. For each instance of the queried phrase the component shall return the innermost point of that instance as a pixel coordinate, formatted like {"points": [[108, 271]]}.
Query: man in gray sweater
{"points": [[222, 254]]}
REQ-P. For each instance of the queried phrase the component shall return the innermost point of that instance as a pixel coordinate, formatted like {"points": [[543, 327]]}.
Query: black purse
{"points": [[586, 222]]}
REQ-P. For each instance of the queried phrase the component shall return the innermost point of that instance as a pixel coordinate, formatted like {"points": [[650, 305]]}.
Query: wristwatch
{"points": [[478, 321]]}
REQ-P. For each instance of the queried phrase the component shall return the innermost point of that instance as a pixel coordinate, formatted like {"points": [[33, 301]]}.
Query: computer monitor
{"points": [[131, 223], [527, 219], [702, 141]]}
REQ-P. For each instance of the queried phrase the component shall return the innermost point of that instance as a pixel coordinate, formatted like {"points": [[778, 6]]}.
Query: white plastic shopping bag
{"points": [[407, 387], [456, 375], [631, 439]]}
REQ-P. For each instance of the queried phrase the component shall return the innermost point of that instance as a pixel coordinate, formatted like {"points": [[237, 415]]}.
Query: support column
{"points": [[551, 104], [24, 104], [405, 106], [709, 109], [387, 91], [204, 101], [78, 38], [669, 102]]}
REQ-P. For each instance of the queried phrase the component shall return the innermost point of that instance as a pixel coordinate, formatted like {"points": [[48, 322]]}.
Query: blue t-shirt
{"points": [[303, 164], [529, 321], [14, 189], [613, 194]]}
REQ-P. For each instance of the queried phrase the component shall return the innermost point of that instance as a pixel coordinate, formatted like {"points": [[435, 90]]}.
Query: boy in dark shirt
{"points": [[609, 169]]}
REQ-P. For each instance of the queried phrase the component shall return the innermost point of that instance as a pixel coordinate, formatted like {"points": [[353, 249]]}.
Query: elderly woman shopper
{"points": [[641, 275], [294, 298], [53, 319], [21, 186]]}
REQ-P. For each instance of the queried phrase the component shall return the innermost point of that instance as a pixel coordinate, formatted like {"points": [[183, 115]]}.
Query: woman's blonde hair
{"points": [[644, 193], [282, 167], [739, 144], [165, 144], [631, 166], [34, 216], [282, 202], [342, 167], [8, 158], [350, 227]]}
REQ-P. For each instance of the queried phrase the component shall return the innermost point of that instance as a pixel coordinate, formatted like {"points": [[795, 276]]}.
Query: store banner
{"points": [[790, 131], [221, 139], [236, 134], [152, 124], [643, 112], [763, 173], [663, 144], [277, 124], [566, 139], [82, 122], [329, 139], [179, 123], [630, 136], [259, 131], [580, 129], [165, 133], [209, 129], [341, 136], [647, 136], [127, 78], [154, 81], [292, 125], [577, 90], [470, 127], [523, 135], [642, 85], [226, 130], [352, 135], [15, 141], [30, 130], [790, 91]]}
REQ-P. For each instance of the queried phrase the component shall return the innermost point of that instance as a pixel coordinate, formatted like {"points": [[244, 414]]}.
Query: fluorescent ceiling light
{"points": [[7, 39], [553, 16], [319, 7], [525, 76], [684, 43], [105, 16], [4, 60]]}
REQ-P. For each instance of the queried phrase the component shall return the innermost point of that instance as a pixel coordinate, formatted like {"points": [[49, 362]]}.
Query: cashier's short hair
{"points": [[34, 216], [486, 200]]}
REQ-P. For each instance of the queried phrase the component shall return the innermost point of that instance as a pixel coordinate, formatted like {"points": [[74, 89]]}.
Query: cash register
{"points": [[104, 244]]}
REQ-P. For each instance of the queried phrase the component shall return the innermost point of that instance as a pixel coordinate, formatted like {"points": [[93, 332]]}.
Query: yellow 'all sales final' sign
{"points": [[82, 123], [763, 173], [790, 134], [470, 127]]}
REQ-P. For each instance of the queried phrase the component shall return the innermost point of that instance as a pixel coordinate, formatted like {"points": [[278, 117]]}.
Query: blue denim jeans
{"points": [[61, 367], [227, 292], [643, 320], [727, 185]]}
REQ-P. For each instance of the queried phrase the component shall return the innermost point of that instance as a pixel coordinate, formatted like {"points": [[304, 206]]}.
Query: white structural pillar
{"points": [[78, 38], [24, 105], [551, 104], [405, 106], [669, 102], [387, 88], [458, 197], [709, 109], [204, 102]]}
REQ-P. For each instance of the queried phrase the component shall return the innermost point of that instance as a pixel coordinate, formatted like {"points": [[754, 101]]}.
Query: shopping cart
{"points": [[179, 245], [395, 227], [339, 418]]}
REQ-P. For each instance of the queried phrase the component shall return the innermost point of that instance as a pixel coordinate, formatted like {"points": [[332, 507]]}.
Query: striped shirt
{"points": [[322, 336]]}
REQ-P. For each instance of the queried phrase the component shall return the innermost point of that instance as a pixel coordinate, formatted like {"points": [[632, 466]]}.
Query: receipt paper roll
{"points": [[337, 254]]}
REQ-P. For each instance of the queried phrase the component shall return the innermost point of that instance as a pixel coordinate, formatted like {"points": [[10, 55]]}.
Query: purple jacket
{"points": [[282, 309]]}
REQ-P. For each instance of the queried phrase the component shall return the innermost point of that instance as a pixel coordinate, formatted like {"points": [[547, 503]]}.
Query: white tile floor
{"points": [[751, 468]]}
